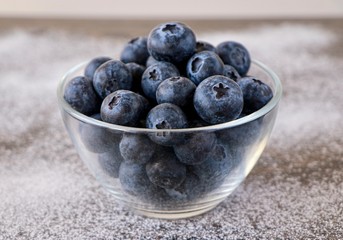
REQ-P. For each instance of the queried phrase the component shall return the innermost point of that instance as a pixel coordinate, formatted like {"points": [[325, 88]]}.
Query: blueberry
{"points": [[176, 90], [196, 148], [154, 75], [136, 148], [204, 46], [123, 107], [134, 180], [189, 189], [98, 139], [166, 116], [242, 135], [135, 50], [165, 170], [218, 99], [93, 65], [217, 166], [171, 42], [231, 73], [256, 94], [80, 95], [150, 61], [110, 161], [111, 76], [236, 55], [204, 64], [136, 73]]}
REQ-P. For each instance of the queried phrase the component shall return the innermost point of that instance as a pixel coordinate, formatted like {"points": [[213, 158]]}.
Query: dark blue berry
{"points": [[111, 76], [256, 94], [204, 46], [176, 90], [123, 107], [241, 135], [134, 180], [98, 139], [110, 161], [213, 171], [150, 61], [93, 65], [154, 75], [136, 148], [135, 50], [203, 65], [80, 95], [136, 72], [166, 116], [196, 148], [165, 170], [231, 73], [190, 189], [171, 42], [236, 55], [218, 99]]}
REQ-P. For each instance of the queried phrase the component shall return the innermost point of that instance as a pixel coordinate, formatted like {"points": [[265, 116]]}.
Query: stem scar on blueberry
{"points": [[115, 100], [232, 76], [133, 40], [153, 74], [162, 125], [199, 44], [196, 64], [172, 28], [220, 90], [174, 79]]}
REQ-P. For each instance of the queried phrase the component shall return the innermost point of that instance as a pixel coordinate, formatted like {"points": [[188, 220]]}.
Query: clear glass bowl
{"points": [[238, 146]]}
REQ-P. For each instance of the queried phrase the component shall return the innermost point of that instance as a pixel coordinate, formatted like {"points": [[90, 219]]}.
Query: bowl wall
{"points": [[233, 151]]}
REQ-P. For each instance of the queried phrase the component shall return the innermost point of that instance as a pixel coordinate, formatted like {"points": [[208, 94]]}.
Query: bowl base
{"points": [[175, 214]]}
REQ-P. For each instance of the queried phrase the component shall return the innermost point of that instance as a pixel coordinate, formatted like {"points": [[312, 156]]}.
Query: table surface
{"points": [[294, 192]]}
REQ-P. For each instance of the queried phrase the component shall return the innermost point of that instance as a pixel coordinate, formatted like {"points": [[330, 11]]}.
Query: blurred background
{"points": [[150, 9]]}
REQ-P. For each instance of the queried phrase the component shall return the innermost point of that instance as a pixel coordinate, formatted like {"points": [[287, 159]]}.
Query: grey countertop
{"points": [[295, 190]]}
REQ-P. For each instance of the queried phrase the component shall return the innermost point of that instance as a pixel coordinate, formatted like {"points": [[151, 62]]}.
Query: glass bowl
{"points": [[234, 150]]}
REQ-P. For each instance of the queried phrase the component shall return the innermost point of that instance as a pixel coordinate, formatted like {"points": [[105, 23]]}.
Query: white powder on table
{"points": [[295, 191]]}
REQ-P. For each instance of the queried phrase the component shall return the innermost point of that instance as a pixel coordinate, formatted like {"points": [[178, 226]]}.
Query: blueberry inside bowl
{"points": [[171, 173]]}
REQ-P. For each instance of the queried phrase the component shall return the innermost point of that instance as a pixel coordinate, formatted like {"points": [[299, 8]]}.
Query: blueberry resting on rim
{"points": [[123, 107], [236, 55], [93, 65], [81, 96], [256, 94]]}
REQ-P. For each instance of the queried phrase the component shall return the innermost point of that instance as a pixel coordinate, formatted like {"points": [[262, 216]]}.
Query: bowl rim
{"points": [[251, 117]]}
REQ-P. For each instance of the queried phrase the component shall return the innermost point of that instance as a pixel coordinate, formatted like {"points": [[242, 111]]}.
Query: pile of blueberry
{"points": [[169, 80]]}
